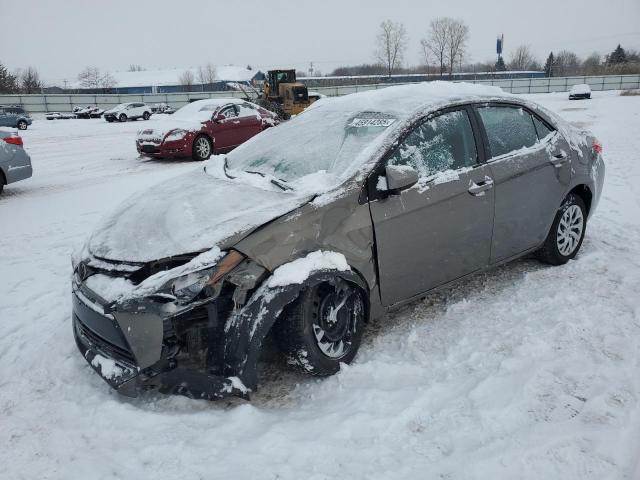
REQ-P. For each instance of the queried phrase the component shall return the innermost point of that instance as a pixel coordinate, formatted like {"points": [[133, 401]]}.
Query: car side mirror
{"points": [[400, 177], [219, 118]]}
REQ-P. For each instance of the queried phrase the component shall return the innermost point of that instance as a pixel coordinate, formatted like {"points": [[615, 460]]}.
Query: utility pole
{"points": [[311, 69]]}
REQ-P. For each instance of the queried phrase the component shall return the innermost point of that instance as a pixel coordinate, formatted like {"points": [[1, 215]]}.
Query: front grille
{"points": [[149, 148], [108, 348]]}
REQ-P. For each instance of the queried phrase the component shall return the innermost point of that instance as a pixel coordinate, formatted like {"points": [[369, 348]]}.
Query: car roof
{"points": [[217, 102], [408, 100]]}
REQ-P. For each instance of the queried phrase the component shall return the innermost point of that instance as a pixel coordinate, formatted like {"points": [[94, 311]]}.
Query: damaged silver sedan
{"points": [[312, 229]]}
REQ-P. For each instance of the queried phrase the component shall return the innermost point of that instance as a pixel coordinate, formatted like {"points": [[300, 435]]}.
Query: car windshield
{"points": [[319, 140]]}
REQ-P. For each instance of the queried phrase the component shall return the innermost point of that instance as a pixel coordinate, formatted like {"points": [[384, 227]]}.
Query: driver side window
{"points": [[229, 111], [442, 143]]}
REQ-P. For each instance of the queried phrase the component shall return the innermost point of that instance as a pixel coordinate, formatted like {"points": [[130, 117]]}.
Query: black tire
{"points": [[2, 182], [146, 116], [310, 342], [22, 125], [551, 252], [110, 120], [122, 118], [201, 154]]}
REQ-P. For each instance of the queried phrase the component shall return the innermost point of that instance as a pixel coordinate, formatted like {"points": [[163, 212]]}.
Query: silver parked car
{"points": [[15, 163], [309, 230]]}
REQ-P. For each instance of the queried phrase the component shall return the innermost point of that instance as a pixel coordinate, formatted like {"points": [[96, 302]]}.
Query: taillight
{"points": [[14, 140], [596, 147]]}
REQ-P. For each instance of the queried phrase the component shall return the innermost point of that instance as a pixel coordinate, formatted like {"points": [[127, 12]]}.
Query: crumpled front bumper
{"points": [[108, 351]]}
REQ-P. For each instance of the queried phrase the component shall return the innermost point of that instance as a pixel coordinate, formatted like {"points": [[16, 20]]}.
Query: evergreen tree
{"points": [[500, 66], [8, 83], [618, 55], [548, 66]]}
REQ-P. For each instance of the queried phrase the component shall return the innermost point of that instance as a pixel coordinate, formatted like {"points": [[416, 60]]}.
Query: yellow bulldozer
{"points": [[283, 94]]}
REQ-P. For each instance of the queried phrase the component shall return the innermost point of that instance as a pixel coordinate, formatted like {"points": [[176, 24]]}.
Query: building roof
{"points": [[157, 78]]}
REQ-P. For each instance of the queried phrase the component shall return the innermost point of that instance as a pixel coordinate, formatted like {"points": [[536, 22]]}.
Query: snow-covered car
{"points": [[579, 92], [59, 116], [15, 163], [14, 116], [203, 128], [308, 231], [128, 111], [163, 108], [89, 112]]}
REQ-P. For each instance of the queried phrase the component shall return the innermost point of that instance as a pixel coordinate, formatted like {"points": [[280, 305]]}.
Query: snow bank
{"points": [[299, 270]]}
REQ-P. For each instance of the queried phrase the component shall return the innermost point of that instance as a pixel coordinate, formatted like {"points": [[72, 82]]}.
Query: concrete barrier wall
{"points": [[65, 103]]}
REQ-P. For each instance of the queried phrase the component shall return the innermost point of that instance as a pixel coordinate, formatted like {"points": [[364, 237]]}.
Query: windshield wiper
{"points": [[278, 182], [226, 167]]}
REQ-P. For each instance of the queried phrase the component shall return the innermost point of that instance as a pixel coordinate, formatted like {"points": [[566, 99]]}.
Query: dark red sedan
{"points": [[203, 128]]}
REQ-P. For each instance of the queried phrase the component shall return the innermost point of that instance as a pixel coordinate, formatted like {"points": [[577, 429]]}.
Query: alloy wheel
{"points": [[570, 230], [337, 315], [203, 148]]}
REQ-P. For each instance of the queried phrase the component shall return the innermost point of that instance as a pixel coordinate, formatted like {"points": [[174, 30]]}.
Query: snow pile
{"points": [[299, 270]]}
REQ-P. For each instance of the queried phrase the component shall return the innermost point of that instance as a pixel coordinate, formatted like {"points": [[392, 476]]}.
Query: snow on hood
{"points": [[187, 214], [165, 125]]}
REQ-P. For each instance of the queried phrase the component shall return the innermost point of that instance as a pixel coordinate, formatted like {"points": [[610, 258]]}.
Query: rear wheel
{"points": [[322, 328], [122, 117], [146, 116], [2, 182], [22, 125], [202, 148], [567, 232]]}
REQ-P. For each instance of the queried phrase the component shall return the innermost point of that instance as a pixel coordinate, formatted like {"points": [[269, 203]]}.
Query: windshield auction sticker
{"points": [[371, 122]]}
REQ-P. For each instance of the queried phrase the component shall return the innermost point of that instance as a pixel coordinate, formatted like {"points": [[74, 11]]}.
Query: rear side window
{"points": [[445, 142], [508, 129], [541, 127]]}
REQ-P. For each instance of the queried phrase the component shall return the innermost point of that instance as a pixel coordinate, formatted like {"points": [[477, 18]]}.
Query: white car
{"points": [[580, 91], [128, 111]]}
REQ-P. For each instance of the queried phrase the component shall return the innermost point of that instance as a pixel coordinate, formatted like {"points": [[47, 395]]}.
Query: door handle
{"points": [[477, 189], [559, 159]]}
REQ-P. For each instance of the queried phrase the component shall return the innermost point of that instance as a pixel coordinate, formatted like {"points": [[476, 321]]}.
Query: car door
{"points": [[531, 170], [225, 130], [4, 118], [250, 122], [439, 229]]}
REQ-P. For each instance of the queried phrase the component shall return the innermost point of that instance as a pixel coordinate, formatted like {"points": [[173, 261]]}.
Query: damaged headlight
{"points": [[187, 287]]}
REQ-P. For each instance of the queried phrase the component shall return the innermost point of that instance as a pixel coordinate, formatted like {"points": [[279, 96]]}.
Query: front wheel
{"points": [[567, 232], [146, 116], [202, 148], [322, 328], [22, 125], [122, 117]]}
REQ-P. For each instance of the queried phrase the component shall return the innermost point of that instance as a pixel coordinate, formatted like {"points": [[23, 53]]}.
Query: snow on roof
{"points": [[156, 78], [406, 99]]}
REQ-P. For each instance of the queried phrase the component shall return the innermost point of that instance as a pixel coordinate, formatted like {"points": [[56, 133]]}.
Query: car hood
{"points": [[190, 213]]}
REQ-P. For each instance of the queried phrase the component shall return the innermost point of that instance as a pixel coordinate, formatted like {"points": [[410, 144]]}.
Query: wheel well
{"points": [[584, 192], [204, 135]]}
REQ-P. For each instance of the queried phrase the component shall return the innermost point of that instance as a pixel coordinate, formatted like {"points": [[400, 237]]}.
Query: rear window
{"points": [[508, 129]]}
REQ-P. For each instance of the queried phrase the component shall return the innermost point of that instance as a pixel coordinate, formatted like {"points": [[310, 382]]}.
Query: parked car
{"points": [[14, 116], [15, 163], [89, 112], [59, 116], [204, 127], [163, 108], [357, 206], [128, 111], [579, 92]]}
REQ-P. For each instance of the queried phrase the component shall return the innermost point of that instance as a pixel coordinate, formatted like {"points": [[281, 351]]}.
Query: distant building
{"points": [[168, 81]]}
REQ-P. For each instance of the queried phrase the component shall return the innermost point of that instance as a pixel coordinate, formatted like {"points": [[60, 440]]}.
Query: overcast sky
{"points": [[59, 38]]}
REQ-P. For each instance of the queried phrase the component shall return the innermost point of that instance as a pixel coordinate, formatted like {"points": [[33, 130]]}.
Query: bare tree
{"points": [[107, 81], [446, 41], [436, 43], [391, 45], [566, 63], [207, 74], [90, 77], [30, 81], [522, 59], [187, 80], [134, 67], [457, 36], [592, 65]]}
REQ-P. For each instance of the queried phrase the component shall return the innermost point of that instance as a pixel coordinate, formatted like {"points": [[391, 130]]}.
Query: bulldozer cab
{"points": [[285, 93]]}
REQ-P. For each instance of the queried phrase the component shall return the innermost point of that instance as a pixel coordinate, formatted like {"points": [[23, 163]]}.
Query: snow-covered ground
{"points": [[525, 372]]}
